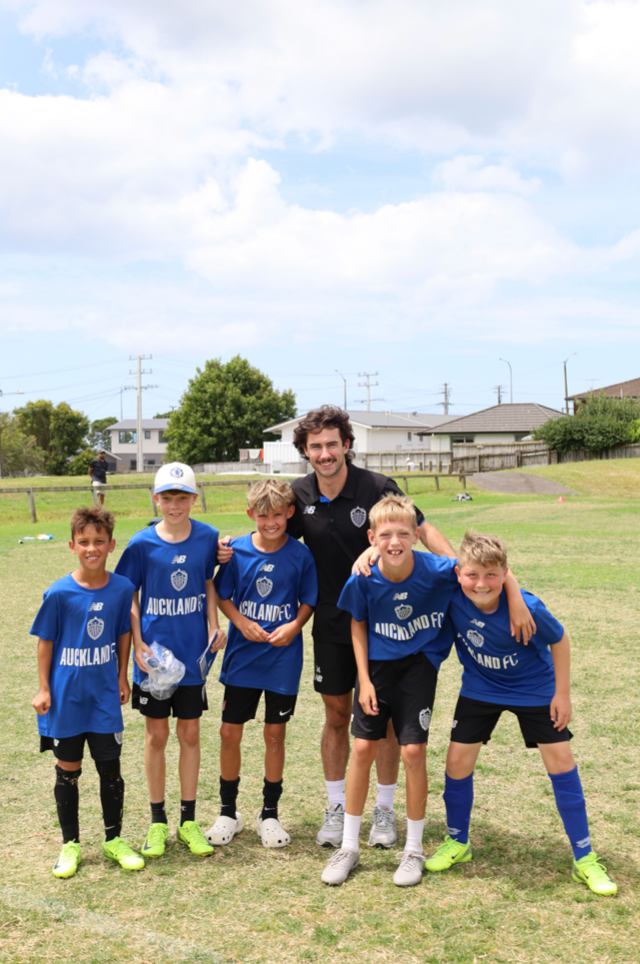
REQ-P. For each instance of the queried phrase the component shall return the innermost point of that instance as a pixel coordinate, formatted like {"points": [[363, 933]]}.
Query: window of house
{"points": [[521, 435], [161, 435], [147, 433], [151, 461], [128, 438], [462, 439], [409, 436], [133, 464]]}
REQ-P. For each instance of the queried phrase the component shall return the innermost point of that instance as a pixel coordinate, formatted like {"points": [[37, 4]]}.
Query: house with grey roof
{"points": [[500, 423], [124, 443]]}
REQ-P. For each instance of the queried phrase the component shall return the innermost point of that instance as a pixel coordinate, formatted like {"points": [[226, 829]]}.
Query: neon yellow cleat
{"points": [[154, 845], [122, 854], [191, 834], [68, 861], [590, 871], [449, 853]]}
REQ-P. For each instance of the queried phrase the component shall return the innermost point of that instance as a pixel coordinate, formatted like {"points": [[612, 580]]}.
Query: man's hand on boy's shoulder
{"points": [[284, 635], [42, 702], [561, 711], [362, 565], [217, 640], [225, 550]]}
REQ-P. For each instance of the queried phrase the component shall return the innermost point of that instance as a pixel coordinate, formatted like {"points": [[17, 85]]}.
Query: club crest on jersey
{"points": [[309, 510], [179, 579], [424, 718], [95, 627], [403, 612], [475, 637], [264, 586], [359, 516]]}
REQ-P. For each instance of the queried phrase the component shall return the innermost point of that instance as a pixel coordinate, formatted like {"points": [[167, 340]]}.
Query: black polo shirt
{"points": [[99, 467], [336, 533]]}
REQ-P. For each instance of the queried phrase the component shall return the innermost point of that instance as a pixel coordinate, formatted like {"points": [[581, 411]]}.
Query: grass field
{"points": [[515, 902]]}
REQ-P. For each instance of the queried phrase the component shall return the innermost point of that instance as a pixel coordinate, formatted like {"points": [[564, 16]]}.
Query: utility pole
{"points": [[510, 379], [499, 390], [446, 388], [140, 373], [566, 390], [369, 385], [345, 387]]}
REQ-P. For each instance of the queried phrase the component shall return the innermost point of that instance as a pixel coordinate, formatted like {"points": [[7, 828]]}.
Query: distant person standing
{"points": [[98, 473], [410, 465]]}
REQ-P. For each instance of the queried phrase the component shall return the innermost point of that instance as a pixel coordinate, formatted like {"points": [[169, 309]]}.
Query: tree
{"points": [[165, 414], [19, 453], [58, 430], [79, 465], [600, 423], [99, 438], [225, 408]]}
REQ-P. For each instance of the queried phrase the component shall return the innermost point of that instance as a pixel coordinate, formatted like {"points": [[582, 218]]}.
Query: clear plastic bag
{"points": [[165, 672]]}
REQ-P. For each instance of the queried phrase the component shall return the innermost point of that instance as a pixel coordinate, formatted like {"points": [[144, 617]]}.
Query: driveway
{"points": [[519, 483]]}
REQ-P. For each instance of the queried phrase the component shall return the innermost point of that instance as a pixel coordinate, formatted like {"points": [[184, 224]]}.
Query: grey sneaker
{"points": [[340, 866], [409, 872], [330, 833], [383, 828]]}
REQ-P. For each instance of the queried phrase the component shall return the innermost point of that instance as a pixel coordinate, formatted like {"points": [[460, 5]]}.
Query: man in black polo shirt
{"points": [[332, 515], [98, 472]]}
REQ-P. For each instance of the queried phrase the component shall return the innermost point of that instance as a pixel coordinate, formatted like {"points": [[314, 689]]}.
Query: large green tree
{"points": [[59, 431], [600, 423], [19, 453], [99, 438], [225, 408]]}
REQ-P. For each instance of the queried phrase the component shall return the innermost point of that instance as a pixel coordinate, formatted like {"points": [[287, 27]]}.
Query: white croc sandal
{"points": [[224, 830], [272, 833]]}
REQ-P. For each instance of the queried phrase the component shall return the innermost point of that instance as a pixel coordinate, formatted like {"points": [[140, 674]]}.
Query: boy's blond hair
{"points": [[393, 508], [270, 494], [95, 516], [483, 550]]}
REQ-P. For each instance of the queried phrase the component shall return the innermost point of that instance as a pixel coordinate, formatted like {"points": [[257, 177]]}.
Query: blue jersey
{"points": [[267, 588], [84, 626], [405, 617], [173, 600], [497, 669]]}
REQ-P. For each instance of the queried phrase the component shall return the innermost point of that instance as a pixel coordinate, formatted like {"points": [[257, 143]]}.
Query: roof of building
{"points": [[629, 389], [131, 424], [406, 420], [521, 417]]}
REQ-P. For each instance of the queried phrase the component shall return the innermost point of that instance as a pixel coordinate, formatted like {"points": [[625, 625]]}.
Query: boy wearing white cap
{"points": [[175, 604]]}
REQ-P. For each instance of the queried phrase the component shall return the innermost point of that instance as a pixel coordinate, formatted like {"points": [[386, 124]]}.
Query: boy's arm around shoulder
{"points": [[42, 700], [522, 622], [220, 640], [561, 709]]}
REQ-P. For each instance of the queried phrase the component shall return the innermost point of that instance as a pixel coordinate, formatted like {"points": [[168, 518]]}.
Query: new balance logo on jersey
{"points": [[309, 510], [179, 579], [400, 595], [178, 560], [95, 627], [267, 567], [97, 606], [476, 622]]}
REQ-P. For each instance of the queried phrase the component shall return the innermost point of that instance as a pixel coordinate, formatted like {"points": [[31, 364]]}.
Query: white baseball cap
{"points": [[175, 475]]}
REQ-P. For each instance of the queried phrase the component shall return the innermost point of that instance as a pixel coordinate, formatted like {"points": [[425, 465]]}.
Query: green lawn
{"points": [[515, 902]]}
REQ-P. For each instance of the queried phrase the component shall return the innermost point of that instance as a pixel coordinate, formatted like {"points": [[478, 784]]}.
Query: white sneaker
{"points": [[340, 866], [409, 872], [224, 830], [272, 833], [330, 833], [383, 828]]}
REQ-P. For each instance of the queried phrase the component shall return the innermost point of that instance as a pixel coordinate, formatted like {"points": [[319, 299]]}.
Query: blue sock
{"points": [[573, 810], [458, 799]]}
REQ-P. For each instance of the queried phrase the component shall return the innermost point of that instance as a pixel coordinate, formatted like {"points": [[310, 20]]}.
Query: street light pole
{"points": [[510, 379], [345, 387], [566, 390]]}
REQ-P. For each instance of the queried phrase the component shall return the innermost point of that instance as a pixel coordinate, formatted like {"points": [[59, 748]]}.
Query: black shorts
{"points": [[187, 703], [241, 702], [475, 721], [70, 749], [335, 669], [406, 691]]}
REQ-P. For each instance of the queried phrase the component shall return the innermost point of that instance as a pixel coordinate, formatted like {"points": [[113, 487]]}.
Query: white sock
{"points": [[415, 830], [386, 793], [336, 791], [351, 832]]}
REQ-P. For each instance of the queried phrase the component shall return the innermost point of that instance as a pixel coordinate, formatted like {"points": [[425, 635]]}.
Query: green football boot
{"points": [[122, 854], [68, 861], [191, 834], [590, 871], [449, 853], [154, 845]]}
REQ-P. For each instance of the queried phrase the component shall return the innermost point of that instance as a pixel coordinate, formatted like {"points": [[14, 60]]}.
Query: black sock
{"points": [[158, 813], [65, 792], [187, 811], [271, 793], [111, 796], [228, 797]]}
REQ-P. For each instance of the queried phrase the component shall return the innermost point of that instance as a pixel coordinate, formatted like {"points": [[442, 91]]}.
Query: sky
{"points": [[425, 190]]}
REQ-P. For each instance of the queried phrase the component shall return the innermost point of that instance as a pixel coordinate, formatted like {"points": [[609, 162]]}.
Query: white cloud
{"points": [[467, 173]]}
